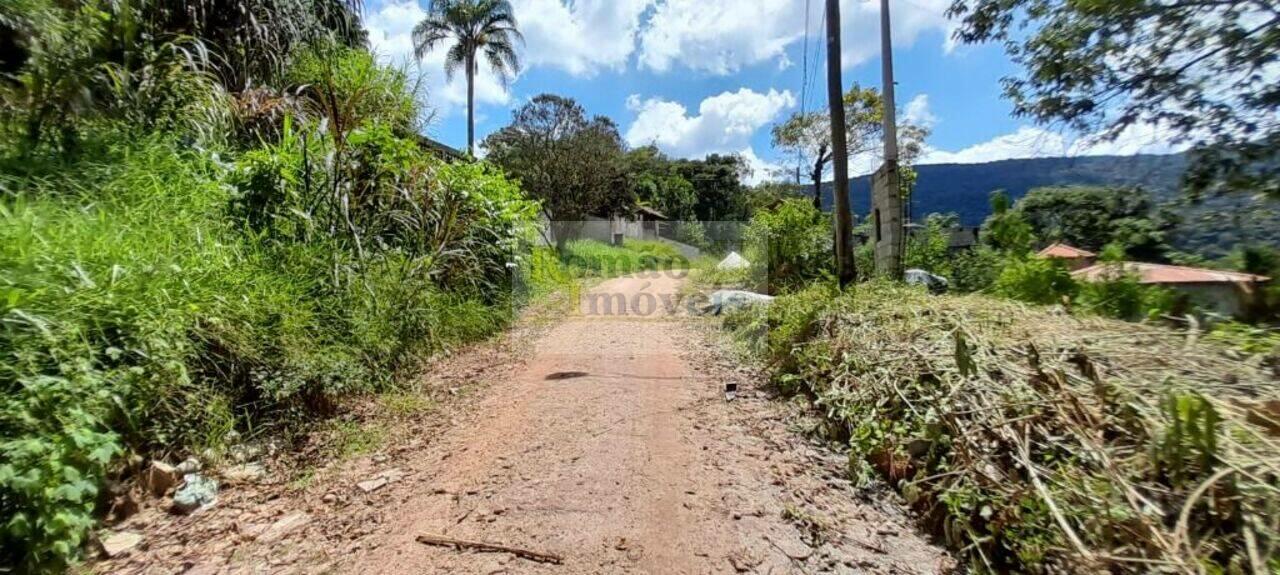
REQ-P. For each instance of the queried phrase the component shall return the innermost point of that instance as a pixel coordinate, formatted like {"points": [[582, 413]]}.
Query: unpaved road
{"points": [[611, 444]]}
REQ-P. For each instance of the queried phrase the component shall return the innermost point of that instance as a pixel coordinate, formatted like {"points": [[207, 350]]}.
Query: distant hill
{"points": [[963, 189], [1211, 228]]}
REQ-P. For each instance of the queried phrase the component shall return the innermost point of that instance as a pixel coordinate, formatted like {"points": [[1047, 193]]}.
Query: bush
{"points": [[589, 258], [1035, 280], [793, 241], [137, 316]]}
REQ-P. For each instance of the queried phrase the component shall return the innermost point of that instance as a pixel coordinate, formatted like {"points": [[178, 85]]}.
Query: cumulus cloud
{"points": [[581, 36], [917, 112], [722, 36], [1036, 142], [724, 124]]}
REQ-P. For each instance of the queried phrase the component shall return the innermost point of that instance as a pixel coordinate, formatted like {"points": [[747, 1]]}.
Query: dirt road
{"points": [[611, 444]]}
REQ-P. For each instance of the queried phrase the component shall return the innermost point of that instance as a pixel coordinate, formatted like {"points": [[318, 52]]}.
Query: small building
{"points": [[1226, 293], [1075, 258]]}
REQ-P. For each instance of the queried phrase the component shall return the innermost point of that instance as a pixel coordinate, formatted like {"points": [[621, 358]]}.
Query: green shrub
{"points": [[793, 243], [136, 315], [1035, 280]]}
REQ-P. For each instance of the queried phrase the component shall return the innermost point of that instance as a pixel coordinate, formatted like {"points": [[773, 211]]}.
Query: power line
{"points": [[804, 86]]}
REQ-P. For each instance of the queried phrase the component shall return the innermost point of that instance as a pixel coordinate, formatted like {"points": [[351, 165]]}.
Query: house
{"points": [[441, 151], [1227, 293], [1075, 258]]}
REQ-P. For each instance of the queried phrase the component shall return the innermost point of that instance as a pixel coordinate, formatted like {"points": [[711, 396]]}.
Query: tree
{"points": [[808, 135], [1007, 230], [1202, 70], [654, 181], [1092, 217], [477, 27], [717, 184], [573, 164]]}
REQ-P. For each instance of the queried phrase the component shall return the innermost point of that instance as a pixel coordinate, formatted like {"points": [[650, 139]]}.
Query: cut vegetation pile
{"points": [[1034, 441]]}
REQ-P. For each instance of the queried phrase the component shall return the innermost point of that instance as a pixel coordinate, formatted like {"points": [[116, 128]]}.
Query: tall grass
{"points": [[136, 316]]}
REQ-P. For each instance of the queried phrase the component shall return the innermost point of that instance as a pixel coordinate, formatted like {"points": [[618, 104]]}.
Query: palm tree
{"points": [[477, 27]]}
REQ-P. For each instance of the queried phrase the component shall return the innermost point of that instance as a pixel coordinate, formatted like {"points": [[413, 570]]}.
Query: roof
{"points": [[1165, 274], [652, 212], [443, 151], [1064, 251]]}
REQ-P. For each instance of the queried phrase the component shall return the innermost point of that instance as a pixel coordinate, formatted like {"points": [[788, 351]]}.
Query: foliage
{"points": [[589, 258], [477, 28], [717, 185], [1203, 71], [73, 73], [976, 269], [655, 182], [573, 164], [1092, 217], [1009, 428], [347, 88], [1007, 230], [793, 241], [1035, 280], [928, 246], [808, 135], [137, 315]]}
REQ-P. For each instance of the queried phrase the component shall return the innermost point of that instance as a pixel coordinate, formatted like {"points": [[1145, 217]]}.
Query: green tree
{"points": [[1006, 230], [717, 184], [655, 182], [1092, 217], [808, 135], [573, 164], [478, 28], [1202, 69]]}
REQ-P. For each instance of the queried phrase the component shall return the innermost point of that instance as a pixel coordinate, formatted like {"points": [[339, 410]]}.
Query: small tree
{"points": [[808, 135]]}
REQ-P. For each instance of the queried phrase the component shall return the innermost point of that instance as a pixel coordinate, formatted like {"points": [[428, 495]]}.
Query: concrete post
{"points": [[887, 226]]}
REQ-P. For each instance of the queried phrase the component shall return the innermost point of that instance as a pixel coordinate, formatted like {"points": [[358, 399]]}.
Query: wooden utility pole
{"points": [[845, 270]]}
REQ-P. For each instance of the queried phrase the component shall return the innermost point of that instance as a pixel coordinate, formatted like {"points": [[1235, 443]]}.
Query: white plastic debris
{"points": [[733, 261]]}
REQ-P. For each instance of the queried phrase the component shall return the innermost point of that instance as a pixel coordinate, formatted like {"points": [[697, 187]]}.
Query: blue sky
{"points": [[704, 76]]}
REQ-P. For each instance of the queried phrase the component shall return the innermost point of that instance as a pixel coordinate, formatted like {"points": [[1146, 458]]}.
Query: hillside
{"points": [[963, 189]]}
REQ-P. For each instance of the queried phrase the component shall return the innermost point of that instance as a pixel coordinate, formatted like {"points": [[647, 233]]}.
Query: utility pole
{"points": [[886, 197], [839, 147]]}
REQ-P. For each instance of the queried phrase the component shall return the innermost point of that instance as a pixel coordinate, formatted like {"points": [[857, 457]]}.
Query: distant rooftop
{"points": [[1166, 274], [1061, 250]]}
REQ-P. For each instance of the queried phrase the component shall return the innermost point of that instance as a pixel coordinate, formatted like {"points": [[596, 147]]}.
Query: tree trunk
{"points": [[471, 104]]}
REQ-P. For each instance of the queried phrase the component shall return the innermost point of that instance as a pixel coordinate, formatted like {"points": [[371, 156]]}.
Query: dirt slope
{"points": [[610, 444]]}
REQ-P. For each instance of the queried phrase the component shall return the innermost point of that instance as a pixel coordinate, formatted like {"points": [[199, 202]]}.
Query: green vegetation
{"points": [[589, 258], [179, 262], [1034, 441]]}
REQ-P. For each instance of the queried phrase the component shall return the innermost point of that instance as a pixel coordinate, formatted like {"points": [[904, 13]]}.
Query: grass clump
{"points": [[590, 258], [1034, 441]]}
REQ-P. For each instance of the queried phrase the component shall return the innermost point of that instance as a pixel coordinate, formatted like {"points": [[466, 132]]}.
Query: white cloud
{"points": [[725, 123], [722, 36], [760, 170], [917, 112], [582, 36], [1035, 142]]}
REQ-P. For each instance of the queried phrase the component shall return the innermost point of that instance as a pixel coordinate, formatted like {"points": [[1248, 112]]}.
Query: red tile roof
{"points": [[1064, 251], [1163, 274]]}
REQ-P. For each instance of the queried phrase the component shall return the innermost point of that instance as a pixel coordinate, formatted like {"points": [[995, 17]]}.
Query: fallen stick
{"points": [[441, 541]]}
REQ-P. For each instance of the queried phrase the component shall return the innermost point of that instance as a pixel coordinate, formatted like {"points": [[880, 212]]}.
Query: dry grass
{"points": [[1037, 441]]}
